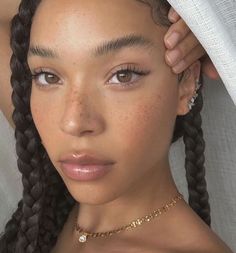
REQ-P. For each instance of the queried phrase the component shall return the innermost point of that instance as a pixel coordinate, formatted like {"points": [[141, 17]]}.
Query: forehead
{"points": [[74, 27], [103, 17]]}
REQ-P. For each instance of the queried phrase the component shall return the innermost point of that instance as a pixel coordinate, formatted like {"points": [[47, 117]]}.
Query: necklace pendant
{"points": [[83, 237]]}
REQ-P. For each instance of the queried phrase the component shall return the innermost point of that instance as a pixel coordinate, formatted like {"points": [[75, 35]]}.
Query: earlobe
{"points": [[187, 88]]}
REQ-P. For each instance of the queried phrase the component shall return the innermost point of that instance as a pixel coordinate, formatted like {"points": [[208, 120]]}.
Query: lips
{"points": [[84, 159], [84, 167]]}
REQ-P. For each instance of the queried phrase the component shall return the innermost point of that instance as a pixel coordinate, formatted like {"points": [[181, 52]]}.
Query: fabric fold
{"points": [[214, 24]]}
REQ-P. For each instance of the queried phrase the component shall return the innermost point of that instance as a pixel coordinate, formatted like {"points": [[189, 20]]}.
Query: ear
{"points": [[187, 87]]}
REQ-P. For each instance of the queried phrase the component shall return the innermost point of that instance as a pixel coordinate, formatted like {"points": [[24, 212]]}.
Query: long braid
{"points": [[9, 237], [41, 234], [8, 240], [27, 140], [57, 198], [189, 126], [194, 161], [28, 149]]}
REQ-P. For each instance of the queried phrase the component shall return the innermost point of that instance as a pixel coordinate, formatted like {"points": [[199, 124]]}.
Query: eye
{"points": [[43, 78], [127, 76]]}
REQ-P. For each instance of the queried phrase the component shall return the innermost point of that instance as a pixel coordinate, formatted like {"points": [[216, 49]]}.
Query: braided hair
{"points": [[46, 202]]}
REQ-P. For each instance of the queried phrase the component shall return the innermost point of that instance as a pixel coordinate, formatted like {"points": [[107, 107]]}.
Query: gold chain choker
{"points": [[84, 235]]}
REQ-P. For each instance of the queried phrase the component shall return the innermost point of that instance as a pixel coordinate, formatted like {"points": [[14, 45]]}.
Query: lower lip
{"points": [[85, 172]]}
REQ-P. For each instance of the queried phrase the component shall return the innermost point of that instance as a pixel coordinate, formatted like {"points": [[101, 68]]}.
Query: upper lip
{"points": [[84, 159]]}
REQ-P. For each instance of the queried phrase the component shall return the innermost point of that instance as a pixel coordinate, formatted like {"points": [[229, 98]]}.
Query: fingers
{"points": [[173, 16], [181, 50], [176, 33], [190, 58]]}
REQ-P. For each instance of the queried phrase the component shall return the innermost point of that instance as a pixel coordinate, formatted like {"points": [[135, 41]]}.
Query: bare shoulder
{"points": [[192, 235], [182, 231]]}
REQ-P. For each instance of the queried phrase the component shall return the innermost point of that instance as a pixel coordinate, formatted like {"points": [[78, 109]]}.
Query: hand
{"points": [[183, 48]]}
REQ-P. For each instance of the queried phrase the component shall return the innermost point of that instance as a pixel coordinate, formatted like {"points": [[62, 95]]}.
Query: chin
{"points": [[90, 194]]}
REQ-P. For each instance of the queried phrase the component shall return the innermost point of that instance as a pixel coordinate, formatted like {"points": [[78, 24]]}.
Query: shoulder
{"points": [[185, 232], [192, 235], [203, 247]]}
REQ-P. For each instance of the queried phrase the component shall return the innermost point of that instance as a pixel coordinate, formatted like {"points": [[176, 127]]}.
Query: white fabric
{"points": [[214, 24]]}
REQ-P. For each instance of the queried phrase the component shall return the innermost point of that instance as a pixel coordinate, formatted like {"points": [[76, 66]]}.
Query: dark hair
{"points": [[46, 203]]}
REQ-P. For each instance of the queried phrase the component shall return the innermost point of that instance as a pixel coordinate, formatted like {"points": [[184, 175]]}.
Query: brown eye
{"points": [[50, 78], [128, 76], [124, 76], [46, 79]]}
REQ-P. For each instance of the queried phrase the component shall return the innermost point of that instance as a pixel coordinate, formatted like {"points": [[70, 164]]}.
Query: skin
{"points": [[88, 109], [188, 47]]}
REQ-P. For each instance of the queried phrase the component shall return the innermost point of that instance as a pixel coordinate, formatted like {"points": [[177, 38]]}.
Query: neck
{"points": [[139, 201]]}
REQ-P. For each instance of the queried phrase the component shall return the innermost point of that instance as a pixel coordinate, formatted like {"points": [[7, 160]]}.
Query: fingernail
{"points": [[173, 39], [179, 67], [173, 56], [172, 16]]}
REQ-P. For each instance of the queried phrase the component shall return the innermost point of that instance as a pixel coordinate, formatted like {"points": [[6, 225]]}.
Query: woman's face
{"points": [[83, 105]]}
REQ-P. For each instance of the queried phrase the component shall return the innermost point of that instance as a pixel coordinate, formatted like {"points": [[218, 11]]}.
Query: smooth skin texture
{"points": [[188, 47], [90, 107]]}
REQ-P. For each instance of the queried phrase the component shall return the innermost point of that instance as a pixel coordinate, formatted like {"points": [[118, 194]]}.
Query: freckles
{"points": [[140, 123]]}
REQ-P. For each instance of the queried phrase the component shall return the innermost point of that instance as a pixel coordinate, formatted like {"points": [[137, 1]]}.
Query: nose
{"points": [[79, 116]]}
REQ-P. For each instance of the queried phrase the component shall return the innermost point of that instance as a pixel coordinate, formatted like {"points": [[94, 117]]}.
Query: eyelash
{"points": [[128, 68]]}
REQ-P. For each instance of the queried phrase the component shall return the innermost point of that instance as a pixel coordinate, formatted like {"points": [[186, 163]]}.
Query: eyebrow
{"points": [[42, 52], [131, 40]]}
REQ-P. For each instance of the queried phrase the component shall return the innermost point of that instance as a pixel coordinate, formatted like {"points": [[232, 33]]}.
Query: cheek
{"points": [[147, 127], [38, 115], [43, 117]]}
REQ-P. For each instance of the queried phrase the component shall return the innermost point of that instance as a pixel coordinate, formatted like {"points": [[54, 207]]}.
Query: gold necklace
{"points": [[83, 235]]}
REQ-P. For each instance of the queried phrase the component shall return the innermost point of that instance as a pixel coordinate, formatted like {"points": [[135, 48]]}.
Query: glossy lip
{"points": [[84, 167], [84, 158], [85, 172]]}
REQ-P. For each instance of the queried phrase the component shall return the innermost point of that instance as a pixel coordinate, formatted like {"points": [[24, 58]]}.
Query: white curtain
{"points": [[214, 24]]}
